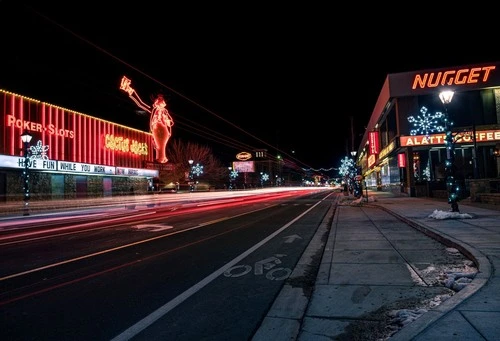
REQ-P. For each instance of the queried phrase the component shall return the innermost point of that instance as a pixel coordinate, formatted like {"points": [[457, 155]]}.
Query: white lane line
{"points": [[163, 310]]}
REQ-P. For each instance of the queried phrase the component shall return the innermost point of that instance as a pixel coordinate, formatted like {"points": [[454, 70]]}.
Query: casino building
{"points": [[70, 155], [403, 148]]}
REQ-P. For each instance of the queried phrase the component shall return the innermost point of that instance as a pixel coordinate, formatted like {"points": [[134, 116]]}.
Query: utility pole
{"points": [[352, 134]]}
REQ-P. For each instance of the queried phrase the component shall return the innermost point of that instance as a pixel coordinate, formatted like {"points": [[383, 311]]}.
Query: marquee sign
{"points": [[73, 167], [462, 137], [53, 165]]}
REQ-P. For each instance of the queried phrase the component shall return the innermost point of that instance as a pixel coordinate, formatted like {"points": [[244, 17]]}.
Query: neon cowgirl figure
{"points": [[160, 122]]}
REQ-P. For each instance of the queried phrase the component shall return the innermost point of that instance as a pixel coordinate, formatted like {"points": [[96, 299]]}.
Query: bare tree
{"points": [[180, 153]]}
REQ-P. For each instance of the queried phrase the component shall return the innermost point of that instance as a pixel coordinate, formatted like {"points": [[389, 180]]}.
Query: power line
{"points": [[201, 131]]}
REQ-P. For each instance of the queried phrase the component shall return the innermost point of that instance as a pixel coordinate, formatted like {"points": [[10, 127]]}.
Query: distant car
{"points": [[170, 188], [203, 186]]}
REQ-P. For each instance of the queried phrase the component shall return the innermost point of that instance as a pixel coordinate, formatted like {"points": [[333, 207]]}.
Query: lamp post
{"points": [[263, 178], [196, 170], [451, 182], [26, 138], [191, 187]]}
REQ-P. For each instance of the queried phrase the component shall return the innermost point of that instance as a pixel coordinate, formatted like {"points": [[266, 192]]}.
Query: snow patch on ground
{"points": [[438, 214], [453, 276]]}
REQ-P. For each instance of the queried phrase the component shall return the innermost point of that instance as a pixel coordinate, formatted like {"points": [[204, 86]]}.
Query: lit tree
{"points": [[181, 152], [348, 170]]}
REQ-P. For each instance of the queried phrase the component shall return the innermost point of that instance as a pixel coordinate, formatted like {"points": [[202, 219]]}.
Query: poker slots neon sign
{"points": [[37, 127]]}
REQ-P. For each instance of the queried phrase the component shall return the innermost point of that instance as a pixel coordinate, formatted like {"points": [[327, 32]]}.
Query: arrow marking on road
{"points": [[292, 238], [153, 227]]}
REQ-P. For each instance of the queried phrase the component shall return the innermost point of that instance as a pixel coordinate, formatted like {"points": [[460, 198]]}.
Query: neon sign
{"points": [[243, 156], [125, 145], [160, 122], [401, 160], [371, 160], [452, 77], [462, 137], [374, 142], [37, 127]]}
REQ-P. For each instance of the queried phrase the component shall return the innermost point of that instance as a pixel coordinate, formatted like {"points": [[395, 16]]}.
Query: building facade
{"points": [[70, 155], [403, 148]]}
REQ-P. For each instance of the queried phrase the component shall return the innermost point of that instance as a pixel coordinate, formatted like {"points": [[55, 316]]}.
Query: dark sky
{"points": [[236, 78]]}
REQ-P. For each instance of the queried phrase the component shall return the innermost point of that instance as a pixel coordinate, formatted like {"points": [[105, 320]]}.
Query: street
{"points": [[150, 276]]}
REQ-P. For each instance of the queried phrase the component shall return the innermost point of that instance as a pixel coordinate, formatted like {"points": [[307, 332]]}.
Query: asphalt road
{"points": [[203, 272]]}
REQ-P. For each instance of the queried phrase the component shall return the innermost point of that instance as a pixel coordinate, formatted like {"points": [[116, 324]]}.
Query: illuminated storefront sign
{"points": [[72, 136], [452, 77], [401, 160], [136, 172], [371, 160], [462, 78], [73, 167], [122, 144], [384, 152], [243, 156], [12, 121], [373, 142], [84, 168], [422, 140], [244, 166], [56, 166]]}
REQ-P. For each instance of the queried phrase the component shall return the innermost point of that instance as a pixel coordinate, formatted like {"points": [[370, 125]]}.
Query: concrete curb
{"points": [[481, 261]]}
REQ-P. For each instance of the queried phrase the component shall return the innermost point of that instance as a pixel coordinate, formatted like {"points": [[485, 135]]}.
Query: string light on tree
{"points": [[347, 168], [427, 171]]}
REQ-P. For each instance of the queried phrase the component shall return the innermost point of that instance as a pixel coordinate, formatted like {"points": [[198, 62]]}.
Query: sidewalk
{"points": [[359, 272], [348, 286]]}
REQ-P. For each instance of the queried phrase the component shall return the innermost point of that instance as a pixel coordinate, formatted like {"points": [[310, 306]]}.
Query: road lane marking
{"points": [[135, 329], [153, 227]]}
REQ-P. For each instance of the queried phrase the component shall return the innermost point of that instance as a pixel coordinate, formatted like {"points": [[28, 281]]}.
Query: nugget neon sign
{"points": [[452, 77]]}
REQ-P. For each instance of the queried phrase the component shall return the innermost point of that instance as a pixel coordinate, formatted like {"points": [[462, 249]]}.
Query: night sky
{"points": [[236, 78]]}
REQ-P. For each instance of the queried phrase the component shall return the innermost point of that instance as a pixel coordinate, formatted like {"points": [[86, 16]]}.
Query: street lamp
{"points": [[26, 138], [191, 187], [196, 170], [451, 182], [263, 177]]}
